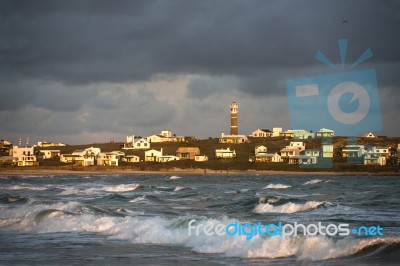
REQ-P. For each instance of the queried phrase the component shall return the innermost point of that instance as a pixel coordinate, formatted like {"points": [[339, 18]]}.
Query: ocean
{"points": [[133, 219]]}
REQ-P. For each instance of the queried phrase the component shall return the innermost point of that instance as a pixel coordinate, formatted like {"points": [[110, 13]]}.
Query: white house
{"points": [[260, 149], [288, 152], [301, 134], [167, 158], [353, 151], [297, 144], [77, 159], [276, 131], [25, 155], [49, 154], [262, 133], [141, 144], [152, 155], [109, 159], [266, 157], [166, 134], [325, 132], [376, 155], [233, 138], [133, 143], [88, 152], [201, 158], [157, 138], [225, 153], [303, 159], [131, 159]]}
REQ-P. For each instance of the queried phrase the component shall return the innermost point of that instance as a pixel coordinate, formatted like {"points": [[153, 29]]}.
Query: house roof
{"points": [[325, 130], [290, 149], [188, 149]]}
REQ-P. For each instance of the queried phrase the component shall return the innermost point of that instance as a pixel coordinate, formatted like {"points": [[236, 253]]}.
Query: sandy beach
{"points": [[83, 171]]}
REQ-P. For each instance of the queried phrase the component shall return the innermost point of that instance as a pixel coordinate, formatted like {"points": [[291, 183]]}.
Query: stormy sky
{"points": [[91, 71]]}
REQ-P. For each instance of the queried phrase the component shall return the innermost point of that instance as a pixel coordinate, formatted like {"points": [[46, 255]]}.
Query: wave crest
{"points": [[278, 186], [289, 207]]}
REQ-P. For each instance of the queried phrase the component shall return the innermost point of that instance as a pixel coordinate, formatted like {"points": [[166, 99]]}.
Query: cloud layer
{"points": [[71, 68]]}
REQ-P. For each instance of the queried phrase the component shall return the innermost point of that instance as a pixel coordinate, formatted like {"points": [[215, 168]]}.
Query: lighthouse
{"points": [[234, 118]]}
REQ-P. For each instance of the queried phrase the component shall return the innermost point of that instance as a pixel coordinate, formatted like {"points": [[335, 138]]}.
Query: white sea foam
{"points": [[174, 177], [158, 230], [314, 181], [121, 188], [69, 191], [27, 187], [278, 186], [287, 208], [137, 199], [179, 188]]}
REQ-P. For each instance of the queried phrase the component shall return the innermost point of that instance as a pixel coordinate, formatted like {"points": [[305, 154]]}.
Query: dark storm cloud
{"points": [[83, 41], [56, 55]]}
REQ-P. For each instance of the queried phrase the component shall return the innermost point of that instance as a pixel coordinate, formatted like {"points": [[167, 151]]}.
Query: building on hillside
{"points": [[294, 149], [184, 139], [107, 159], [5, 148], [131, 159], [286, 134], [44, 144], [302, 134], [233, 139], [376, 156], [201, 158], [50, 154], [288, 152], [266, 158], [157, 139], [153, 155], [310, 152], [325, 132], [187, 152], [167, 158], [303, 160], [276, 131], [369, 135], [353, 151], [327, 147], [26, 156], [260, 149], [225, 153], [297, 144], [78, 160], [262, 133], [88, 152], [164, 136], [136, 143]]}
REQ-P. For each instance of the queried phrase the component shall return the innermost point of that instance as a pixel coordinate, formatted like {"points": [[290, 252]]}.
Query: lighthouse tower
{"points": [[234, 118]]}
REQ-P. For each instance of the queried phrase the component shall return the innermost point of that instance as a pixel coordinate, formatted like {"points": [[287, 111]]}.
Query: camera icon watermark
{"points": [[346, 102]]}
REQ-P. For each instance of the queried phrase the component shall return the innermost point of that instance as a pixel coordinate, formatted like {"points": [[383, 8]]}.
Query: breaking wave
{"points": [[174, 177], [73, 217], [278, 186], [122, 188], [289, 207]]}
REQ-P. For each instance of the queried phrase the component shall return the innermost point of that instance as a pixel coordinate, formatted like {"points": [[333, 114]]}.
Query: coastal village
{"points": [[274, 146]]}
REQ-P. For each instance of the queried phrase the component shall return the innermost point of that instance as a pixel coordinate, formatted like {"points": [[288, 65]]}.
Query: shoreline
{"points": [[27, 171]]}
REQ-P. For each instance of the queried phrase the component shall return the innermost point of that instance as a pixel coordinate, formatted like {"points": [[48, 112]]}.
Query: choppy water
{"points": [[142, 219]]}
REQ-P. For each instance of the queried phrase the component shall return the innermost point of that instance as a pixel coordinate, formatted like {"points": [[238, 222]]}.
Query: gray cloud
{"points": [[55, 56]]}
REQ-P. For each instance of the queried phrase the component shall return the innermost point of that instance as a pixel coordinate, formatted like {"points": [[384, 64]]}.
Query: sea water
{"points": [[143, 219]]}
